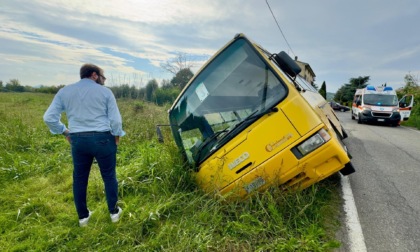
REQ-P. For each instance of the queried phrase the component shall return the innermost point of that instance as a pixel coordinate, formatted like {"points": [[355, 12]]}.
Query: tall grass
{"points": [[163, 209], [413, 121]]}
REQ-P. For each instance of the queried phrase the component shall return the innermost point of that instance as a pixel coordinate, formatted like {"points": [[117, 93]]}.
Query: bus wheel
{"points": [[359, 119], [348, 169], [344, 133], [352, 116]]}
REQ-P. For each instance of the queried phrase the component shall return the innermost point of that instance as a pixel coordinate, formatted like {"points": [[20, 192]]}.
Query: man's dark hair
{"points": [[88, 69]]}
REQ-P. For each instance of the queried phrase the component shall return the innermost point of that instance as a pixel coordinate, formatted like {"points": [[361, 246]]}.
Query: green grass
{"points": [[163, 209], [413, 121]]}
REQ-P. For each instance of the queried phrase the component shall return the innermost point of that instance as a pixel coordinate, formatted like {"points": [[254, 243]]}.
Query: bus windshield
{"points": [[231, 92], [380, 99]]}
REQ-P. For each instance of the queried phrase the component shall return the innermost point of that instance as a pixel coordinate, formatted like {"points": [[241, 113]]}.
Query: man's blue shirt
{"points": [[88, 106]]}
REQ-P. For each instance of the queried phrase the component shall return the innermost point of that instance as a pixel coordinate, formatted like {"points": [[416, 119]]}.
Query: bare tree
{"points": [[177, 63]]}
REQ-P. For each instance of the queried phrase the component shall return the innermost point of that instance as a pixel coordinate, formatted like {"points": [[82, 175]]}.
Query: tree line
{"points": [[161, 94], [168, 90], [165, 93], [14, 86]]}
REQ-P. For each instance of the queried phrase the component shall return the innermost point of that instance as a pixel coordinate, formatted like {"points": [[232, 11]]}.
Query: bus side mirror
{"points": [[287, 64]]}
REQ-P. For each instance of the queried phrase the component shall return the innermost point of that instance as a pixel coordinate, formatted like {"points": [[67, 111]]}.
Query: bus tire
{"points": [[345, 135], [348, 169]]}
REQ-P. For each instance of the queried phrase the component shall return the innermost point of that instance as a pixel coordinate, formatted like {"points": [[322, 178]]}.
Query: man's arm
{"points": [[115, 119], [53, 115]]}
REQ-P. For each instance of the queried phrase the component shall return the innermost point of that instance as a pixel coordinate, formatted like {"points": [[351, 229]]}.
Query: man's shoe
{"points": [[116, 217], [83, 222]]}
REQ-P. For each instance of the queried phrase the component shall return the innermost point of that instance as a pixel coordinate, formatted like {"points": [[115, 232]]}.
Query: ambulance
{"points": [[376, 105]]}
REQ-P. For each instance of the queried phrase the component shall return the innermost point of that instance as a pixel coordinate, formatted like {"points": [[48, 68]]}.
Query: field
{"points": [[163, 209]]}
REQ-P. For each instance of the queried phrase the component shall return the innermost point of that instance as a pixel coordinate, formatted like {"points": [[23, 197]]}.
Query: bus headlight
{"points": [[314, 142], [396, 110]]}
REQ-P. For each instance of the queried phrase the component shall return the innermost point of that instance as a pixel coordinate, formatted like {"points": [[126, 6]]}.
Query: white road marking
{"points": [[354, 229]]}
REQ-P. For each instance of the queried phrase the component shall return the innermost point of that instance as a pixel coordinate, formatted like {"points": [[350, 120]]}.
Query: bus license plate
{"points": [[381, 120]]}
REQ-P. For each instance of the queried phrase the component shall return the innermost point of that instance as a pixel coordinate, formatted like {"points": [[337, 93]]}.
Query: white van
{"points": [[376, 104]]}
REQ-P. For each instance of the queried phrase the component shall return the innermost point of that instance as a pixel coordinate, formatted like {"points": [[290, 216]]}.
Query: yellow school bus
{"points": [[247, 121]]}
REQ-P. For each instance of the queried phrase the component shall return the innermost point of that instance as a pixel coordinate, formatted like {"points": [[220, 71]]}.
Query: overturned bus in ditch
{"points": [[247, 121]]}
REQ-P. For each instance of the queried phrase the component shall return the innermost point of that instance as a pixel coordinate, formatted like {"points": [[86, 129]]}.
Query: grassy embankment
{"points": [[163, 210]]}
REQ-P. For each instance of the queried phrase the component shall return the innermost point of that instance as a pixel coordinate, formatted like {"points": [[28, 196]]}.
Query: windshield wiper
{"points": [[206, 142]]}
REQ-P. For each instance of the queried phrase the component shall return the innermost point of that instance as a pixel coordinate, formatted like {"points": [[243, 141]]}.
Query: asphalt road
{"points": [[386, 185]]}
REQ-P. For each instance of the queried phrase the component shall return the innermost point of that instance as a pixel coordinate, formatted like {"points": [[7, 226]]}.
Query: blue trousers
{"points": [[86, 146]]}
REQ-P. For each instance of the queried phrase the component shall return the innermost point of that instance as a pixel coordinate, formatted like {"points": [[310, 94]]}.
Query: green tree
{"points": [[29, 89], [122, 91], [49, 89], [166, 96], [323, 90], [14, 86], [346, 92], [166, 84], [182, 78], [412, 87], [151, 88], [411, 84], [1, 86], [133, 92]]}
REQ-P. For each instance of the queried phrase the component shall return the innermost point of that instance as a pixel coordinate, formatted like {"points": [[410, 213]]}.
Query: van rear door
{"points": [[406, 105]]}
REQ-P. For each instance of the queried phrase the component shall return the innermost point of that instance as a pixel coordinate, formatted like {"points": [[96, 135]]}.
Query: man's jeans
{"points": [[85, 147]]}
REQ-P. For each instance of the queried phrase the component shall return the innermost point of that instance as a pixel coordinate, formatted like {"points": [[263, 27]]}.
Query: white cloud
{"points": [[45, 42]]}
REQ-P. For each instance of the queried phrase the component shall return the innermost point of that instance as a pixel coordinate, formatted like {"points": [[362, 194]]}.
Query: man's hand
{"points": [[117, 140], [66, 134]]}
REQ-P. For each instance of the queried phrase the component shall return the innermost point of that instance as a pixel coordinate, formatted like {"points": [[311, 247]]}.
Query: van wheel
{"points": [[359, 119], [352, 116]]}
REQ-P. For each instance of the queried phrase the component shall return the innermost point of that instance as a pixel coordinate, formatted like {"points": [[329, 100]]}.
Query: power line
{"points": [[279, 27]]}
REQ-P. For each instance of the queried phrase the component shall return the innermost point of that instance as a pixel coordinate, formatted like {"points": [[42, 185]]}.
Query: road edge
{"points": [[354, 229]]}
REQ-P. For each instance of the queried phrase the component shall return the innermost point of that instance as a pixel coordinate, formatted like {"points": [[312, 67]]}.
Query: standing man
{"points": [[94, 131]]}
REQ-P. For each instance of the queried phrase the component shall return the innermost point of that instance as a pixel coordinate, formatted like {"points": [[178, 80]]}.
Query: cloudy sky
{"points": [[45, 42]]}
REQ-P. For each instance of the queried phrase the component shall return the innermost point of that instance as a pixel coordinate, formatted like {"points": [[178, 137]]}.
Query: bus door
{"points": [[406, 105]]}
